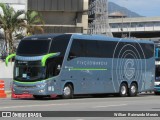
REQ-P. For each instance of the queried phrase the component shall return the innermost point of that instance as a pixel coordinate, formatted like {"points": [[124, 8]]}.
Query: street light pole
{"points": [[130, 30]]}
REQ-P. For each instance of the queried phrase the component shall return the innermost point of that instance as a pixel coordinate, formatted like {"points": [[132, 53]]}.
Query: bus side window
{"points": [[148, 50], [77, 49], [91, 48], [50, 69], [156, 52], [59, 44], [106, 48], [53, 68]]}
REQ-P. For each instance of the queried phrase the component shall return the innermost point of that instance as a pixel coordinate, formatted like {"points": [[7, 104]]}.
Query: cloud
{"points": [[142, 7]]}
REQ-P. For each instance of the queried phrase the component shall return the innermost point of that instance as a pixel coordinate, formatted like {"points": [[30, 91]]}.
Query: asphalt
{"points": [[143, 102]]}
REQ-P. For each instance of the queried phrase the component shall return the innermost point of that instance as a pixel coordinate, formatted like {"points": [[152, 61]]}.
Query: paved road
{"points": [[144, 102]]}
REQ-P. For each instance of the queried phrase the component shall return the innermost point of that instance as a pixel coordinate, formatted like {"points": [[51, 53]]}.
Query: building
{"points": [[98, 17], [117, 15], [140, 27], [62, 16], [81, 16]]}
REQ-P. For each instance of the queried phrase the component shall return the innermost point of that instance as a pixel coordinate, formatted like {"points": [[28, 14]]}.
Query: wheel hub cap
{"points": [[67, 91], [123, 90], [133, 89]]}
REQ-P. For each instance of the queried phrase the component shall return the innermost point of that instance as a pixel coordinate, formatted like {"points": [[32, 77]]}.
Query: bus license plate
{"points": [[25, 92]]}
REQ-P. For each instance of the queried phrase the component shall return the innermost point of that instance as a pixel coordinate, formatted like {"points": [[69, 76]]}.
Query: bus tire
{"points": [[133, 90], [38, 97], [123, 90], [67, 92], [156, 93]]}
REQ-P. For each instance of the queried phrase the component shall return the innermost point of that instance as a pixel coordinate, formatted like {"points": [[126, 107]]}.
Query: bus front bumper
{"points": [[28, 91], [21, 95]]}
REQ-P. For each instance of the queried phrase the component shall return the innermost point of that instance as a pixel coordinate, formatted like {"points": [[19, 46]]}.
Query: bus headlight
{"points": [[41, 91], [41, 85], [14, 85]]}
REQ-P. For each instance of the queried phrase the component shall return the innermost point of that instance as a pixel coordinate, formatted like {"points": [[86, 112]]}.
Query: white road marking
{"points": [[109, 106], [46, 105]]}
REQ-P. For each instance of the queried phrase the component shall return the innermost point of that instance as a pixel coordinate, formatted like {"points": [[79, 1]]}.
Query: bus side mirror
{"points": [[8, 58], [50, 55]]}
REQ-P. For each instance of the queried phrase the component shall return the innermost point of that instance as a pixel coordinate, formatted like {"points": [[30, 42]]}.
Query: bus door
{"points": [[157, 67], [157, 64]]}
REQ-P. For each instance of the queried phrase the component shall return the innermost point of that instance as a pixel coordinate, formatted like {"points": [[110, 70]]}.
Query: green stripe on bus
{"points": [[26, 82], [45, 57], [30, 82], [92, 69], [9, 57]]}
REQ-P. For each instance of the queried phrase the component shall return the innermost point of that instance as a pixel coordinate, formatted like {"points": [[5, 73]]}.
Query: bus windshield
{"points": [[33, 47], [32, 70], [29, 71], [157, 62]]}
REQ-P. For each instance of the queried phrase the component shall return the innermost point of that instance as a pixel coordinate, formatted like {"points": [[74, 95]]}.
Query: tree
{"points": [[10, 22], [34, 22]]}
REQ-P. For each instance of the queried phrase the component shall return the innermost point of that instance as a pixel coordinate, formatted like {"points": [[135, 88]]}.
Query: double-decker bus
{"points": [[157, 69], [73, 64]]}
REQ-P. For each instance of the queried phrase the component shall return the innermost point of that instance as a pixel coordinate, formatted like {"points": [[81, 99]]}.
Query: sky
{"points": [[149, 8]]}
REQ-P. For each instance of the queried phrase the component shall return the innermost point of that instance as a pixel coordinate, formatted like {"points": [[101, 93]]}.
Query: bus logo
{"points": [[129, 70]]}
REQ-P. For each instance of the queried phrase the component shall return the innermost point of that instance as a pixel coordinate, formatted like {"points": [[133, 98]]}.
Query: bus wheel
{"points": [[133, 90], [123, 90], [156, 93], [38, 97], [67, 92]]}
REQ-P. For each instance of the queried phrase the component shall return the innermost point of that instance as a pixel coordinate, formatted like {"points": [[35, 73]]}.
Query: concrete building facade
{"points": [[61, 16], [140, 27]]}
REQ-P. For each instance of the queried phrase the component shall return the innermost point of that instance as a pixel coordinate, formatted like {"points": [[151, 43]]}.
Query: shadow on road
{"points": [[88, 96]]}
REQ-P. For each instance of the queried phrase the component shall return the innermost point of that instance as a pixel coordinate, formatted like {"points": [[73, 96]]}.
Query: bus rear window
{"points": [[33, 47]]}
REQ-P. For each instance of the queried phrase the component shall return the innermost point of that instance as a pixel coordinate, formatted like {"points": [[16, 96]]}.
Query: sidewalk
{"points": [[8, 94]]}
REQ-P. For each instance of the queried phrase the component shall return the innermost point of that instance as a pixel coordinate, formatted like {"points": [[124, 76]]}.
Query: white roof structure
{"points": [[100, 24]]}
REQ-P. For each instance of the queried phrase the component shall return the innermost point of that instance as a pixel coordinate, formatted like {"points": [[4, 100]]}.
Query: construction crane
{"points": [[98, 18]]}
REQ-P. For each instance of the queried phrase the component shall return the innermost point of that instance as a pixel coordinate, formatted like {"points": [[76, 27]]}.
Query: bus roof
{"points": [[42, 36], [106, 38], [88, 37]]}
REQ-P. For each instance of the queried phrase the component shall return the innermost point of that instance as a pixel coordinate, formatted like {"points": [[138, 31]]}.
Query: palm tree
{"points": [[34, 22], [10, 22]]}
